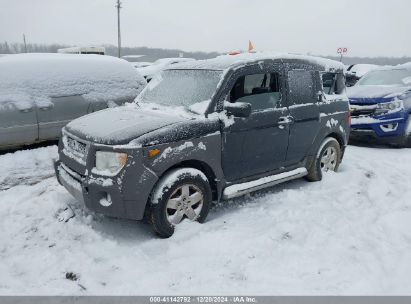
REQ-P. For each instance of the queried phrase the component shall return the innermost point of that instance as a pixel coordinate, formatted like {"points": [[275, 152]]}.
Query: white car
{"points": [[355, 71]]}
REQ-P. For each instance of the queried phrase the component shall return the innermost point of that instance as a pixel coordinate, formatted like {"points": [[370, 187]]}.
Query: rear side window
{"points": [[260, 90], [333, 83], [301, 87]]}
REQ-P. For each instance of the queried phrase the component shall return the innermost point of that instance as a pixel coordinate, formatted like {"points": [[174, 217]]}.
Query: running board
{"points": [[264, 182]]}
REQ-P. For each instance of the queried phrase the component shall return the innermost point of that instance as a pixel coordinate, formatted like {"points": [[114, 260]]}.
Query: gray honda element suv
{"points": [[207, 131]]}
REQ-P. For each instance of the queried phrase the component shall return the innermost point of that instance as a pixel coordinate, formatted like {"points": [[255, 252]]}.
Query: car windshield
{"points": [[181, 87], [398, 77]]}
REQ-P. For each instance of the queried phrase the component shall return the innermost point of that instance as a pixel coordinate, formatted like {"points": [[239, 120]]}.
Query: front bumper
{"points": [[123, 196], [369, 136], [386, 127]]}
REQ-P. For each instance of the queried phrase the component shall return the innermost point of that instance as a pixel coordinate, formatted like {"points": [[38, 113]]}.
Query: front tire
{"points": [[182, 193], [406, 141], [328, 158]]}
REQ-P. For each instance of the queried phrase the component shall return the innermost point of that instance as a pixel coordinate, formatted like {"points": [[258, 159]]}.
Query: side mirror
{"points": [[238, 109]]}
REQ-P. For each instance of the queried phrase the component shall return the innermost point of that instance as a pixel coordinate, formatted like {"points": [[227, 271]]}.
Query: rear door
{"points": [[304, 113], [256, 144], [54, 114], [18, 123]]}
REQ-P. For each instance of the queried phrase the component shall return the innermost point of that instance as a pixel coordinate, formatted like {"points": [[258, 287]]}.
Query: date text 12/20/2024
{"points": [[203, 299]]}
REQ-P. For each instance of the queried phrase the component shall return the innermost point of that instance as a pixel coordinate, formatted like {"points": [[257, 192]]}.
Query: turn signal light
{"points": [[122, 159], [154, 152]]}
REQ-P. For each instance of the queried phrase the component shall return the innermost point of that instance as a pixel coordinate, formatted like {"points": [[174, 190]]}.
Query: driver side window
{"points": [[260, 90]]}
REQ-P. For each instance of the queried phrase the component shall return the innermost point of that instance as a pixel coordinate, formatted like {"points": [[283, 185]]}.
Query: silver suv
{"points": [[41, 93]]}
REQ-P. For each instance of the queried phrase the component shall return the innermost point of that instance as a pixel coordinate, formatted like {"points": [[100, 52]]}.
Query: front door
{"points": [[256, 144], [53, 115]]}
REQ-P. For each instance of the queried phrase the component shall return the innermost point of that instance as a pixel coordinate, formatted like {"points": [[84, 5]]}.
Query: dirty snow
{"points": [[349, 234]]}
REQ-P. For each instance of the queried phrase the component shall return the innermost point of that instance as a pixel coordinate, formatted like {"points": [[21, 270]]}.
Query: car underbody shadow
{"points": [[29, 147]]}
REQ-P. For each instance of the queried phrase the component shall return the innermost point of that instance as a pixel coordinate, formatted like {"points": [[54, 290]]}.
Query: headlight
{"points": [[405, 96], [110, 162], [390, 106]]}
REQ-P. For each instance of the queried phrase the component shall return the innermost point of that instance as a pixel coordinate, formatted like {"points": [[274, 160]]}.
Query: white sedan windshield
{"points": [[399, 77]]}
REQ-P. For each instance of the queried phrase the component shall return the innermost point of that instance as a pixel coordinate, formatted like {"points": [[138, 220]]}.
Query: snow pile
{"points": [[26, 168], [28, 78], [347, 235]]}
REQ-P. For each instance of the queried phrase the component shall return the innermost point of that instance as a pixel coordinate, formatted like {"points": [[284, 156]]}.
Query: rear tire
{"points": [[328, 158], [181, 193]]}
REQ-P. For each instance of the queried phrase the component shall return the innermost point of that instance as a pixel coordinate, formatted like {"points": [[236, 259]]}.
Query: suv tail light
{"points": [[349, 118]]}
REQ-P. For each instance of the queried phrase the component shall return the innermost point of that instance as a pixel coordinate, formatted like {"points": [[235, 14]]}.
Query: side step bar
{"points": [[264, 182]]}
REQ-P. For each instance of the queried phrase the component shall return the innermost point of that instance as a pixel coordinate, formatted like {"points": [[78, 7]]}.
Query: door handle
{"points": [[46, 108], [26, 110], [285, 121]]}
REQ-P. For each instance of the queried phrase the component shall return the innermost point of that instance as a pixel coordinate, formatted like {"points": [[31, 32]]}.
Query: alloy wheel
{"points": [[329, 159], [185, 202]]}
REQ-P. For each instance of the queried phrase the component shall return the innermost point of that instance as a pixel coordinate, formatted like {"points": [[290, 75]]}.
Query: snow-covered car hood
{"points": [[120, 125], [374, 94]]}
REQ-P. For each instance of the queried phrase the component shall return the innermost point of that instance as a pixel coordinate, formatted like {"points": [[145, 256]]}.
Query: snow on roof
{"points": [[27, 78], [406, 65], [82, 49], [401, 66], [224, 62], [132, 56], [162, 64]]}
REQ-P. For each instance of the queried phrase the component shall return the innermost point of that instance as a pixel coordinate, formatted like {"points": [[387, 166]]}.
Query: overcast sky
{"points": [[365, 27]]}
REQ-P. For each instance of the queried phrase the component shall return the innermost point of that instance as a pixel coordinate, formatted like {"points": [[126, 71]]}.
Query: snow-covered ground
{"points": [[349, 234]]}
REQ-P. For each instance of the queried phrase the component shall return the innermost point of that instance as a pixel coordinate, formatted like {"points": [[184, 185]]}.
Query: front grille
{"points": [[76, 146], [362, 112]]}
